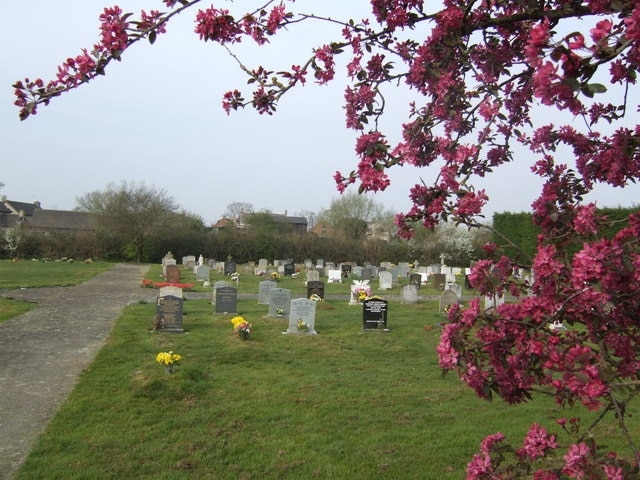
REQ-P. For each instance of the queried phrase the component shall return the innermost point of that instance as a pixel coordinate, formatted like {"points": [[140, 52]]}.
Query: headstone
{"points": [[386, 280], [279, 300], [289, 269], [302, 312], [191, 261], [409, 294], [357, 271], [202, 273], [315, 288], [438, 280], [366, 273], [170, 290], [308, 264], [226, 300], [335, 276], [346, 270], [169, 310], [263, 263], [166, 263], [415, 279], [448, 298], [374, 314], [229, 267], [403, 270], [320, 263], [172, 274], [492, 302], [313, 276], [216, 286], [264, 290]]}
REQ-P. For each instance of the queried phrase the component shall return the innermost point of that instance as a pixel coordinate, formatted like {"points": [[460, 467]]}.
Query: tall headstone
{"points": [[279, 300], [415, 279], [374, 314], [302, 316], [386, 280], [226, 300], [229, 267], [264, 291]]}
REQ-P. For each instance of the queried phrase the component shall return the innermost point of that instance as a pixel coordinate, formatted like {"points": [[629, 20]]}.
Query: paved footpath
{"points": [[43, 351]]}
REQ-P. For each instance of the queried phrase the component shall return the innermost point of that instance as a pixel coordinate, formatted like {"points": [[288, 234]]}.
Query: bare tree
{"points": [[133, 211]]}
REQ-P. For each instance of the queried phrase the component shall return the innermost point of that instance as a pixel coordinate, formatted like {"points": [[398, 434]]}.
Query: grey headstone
{"points": [[264, 291], [226, 300], [386, 280], [409, 294], [303, 310], [279, 298]]}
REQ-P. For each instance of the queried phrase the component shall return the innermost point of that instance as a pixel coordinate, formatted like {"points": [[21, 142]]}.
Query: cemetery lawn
{"points": [[10, 308], [343, 404], [32, 274]]}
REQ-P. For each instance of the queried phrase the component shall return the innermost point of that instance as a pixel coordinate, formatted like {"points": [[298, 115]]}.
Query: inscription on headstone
{"points": [[415, 279], [374, 314]]}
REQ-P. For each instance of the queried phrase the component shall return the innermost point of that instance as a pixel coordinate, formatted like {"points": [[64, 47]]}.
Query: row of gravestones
{"points": [[169, 309]]}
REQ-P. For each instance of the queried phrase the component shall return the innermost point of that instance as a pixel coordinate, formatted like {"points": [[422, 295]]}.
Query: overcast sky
{"points": [[156, 117]]}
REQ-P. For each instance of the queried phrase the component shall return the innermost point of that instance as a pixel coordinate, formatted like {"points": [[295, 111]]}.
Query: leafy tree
{"points": [[133, 212], [486, 75]]}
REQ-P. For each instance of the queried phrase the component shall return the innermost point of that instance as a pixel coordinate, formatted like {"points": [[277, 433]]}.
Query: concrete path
{"points": [[43, 351]]}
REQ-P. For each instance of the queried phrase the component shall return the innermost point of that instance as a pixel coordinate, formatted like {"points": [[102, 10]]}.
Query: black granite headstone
{"points": [[374, 314]]}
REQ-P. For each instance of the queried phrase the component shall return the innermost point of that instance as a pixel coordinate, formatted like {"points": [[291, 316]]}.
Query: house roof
{"points": [[11, 206], [64, 220]]}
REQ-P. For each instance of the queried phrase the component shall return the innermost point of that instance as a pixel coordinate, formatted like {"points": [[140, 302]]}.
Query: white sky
{"points": [[156, 117]]}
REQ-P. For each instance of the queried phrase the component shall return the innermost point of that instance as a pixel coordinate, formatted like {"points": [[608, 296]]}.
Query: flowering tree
{"points": [[482, 69]]}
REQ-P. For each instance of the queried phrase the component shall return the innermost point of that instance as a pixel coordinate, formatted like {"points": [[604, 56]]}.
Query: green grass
{"points": [[32, 274], [10, 308], [344, 404]]}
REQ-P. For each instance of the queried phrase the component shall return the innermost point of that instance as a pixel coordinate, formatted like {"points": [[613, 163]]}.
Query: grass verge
{"points": [[344, 404]]}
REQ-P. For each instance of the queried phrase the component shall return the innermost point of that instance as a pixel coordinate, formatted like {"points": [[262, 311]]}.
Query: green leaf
{"points": [[152, 37]]}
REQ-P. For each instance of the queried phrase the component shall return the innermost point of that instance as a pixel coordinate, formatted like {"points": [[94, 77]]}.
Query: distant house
{"points": [[322, 230], [42, 220], [298, 224]]}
